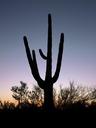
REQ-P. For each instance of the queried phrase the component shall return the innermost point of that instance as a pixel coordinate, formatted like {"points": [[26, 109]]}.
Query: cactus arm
{"points": [[36, 72], [42, 54], [28, 52], [30, 60], [59, 60], [33, 64]]}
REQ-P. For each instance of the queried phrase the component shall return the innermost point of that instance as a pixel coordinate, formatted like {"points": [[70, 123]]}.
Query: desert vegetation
{"points": [[73, 98]]}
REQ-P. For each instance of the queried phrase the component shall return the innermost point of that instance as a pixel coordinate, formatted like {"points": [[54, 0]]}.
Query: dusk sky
{"points": [[76, 18]]}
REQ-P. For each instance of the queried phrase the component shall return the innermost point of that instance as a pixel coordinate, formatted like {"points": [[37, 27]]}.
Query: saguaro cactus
{"points": [[46, 84]]}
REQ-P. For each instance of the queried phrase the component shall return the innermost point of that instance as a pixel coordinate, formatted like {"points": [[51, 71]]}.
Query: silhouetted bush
{"points": [[70, 99], [36, 96], [20, 93]]}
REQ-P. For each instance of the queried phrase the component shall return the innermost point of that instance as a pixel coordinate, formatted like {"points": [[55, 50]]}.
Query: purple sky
{"points": [[76, 18]]}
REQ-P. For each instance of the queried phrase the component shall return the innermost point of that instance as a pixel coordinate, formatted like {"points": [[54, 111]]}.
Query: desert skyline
{"points": [[77, 19]]}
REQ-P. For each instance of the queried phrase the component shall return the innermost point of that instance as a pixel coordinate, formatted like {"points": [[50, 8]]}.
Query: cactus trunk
{"points": [[48, 97]]}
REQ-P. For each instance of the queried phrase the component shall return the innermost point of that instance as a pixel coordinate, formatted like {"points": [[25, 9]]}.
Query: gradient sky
{"points": [[76, 18]]}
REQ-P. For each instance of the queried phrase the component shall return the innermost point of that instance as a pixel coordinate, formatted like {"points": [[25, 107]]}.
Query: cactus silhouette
{"points": [[47, 84]]}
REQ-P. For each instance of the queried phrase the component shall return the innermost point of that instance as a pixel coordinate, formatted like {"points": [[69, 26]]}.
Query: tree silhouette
{"points": [[73, 95], [36, 96], [20, 93], [47, 84]]}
